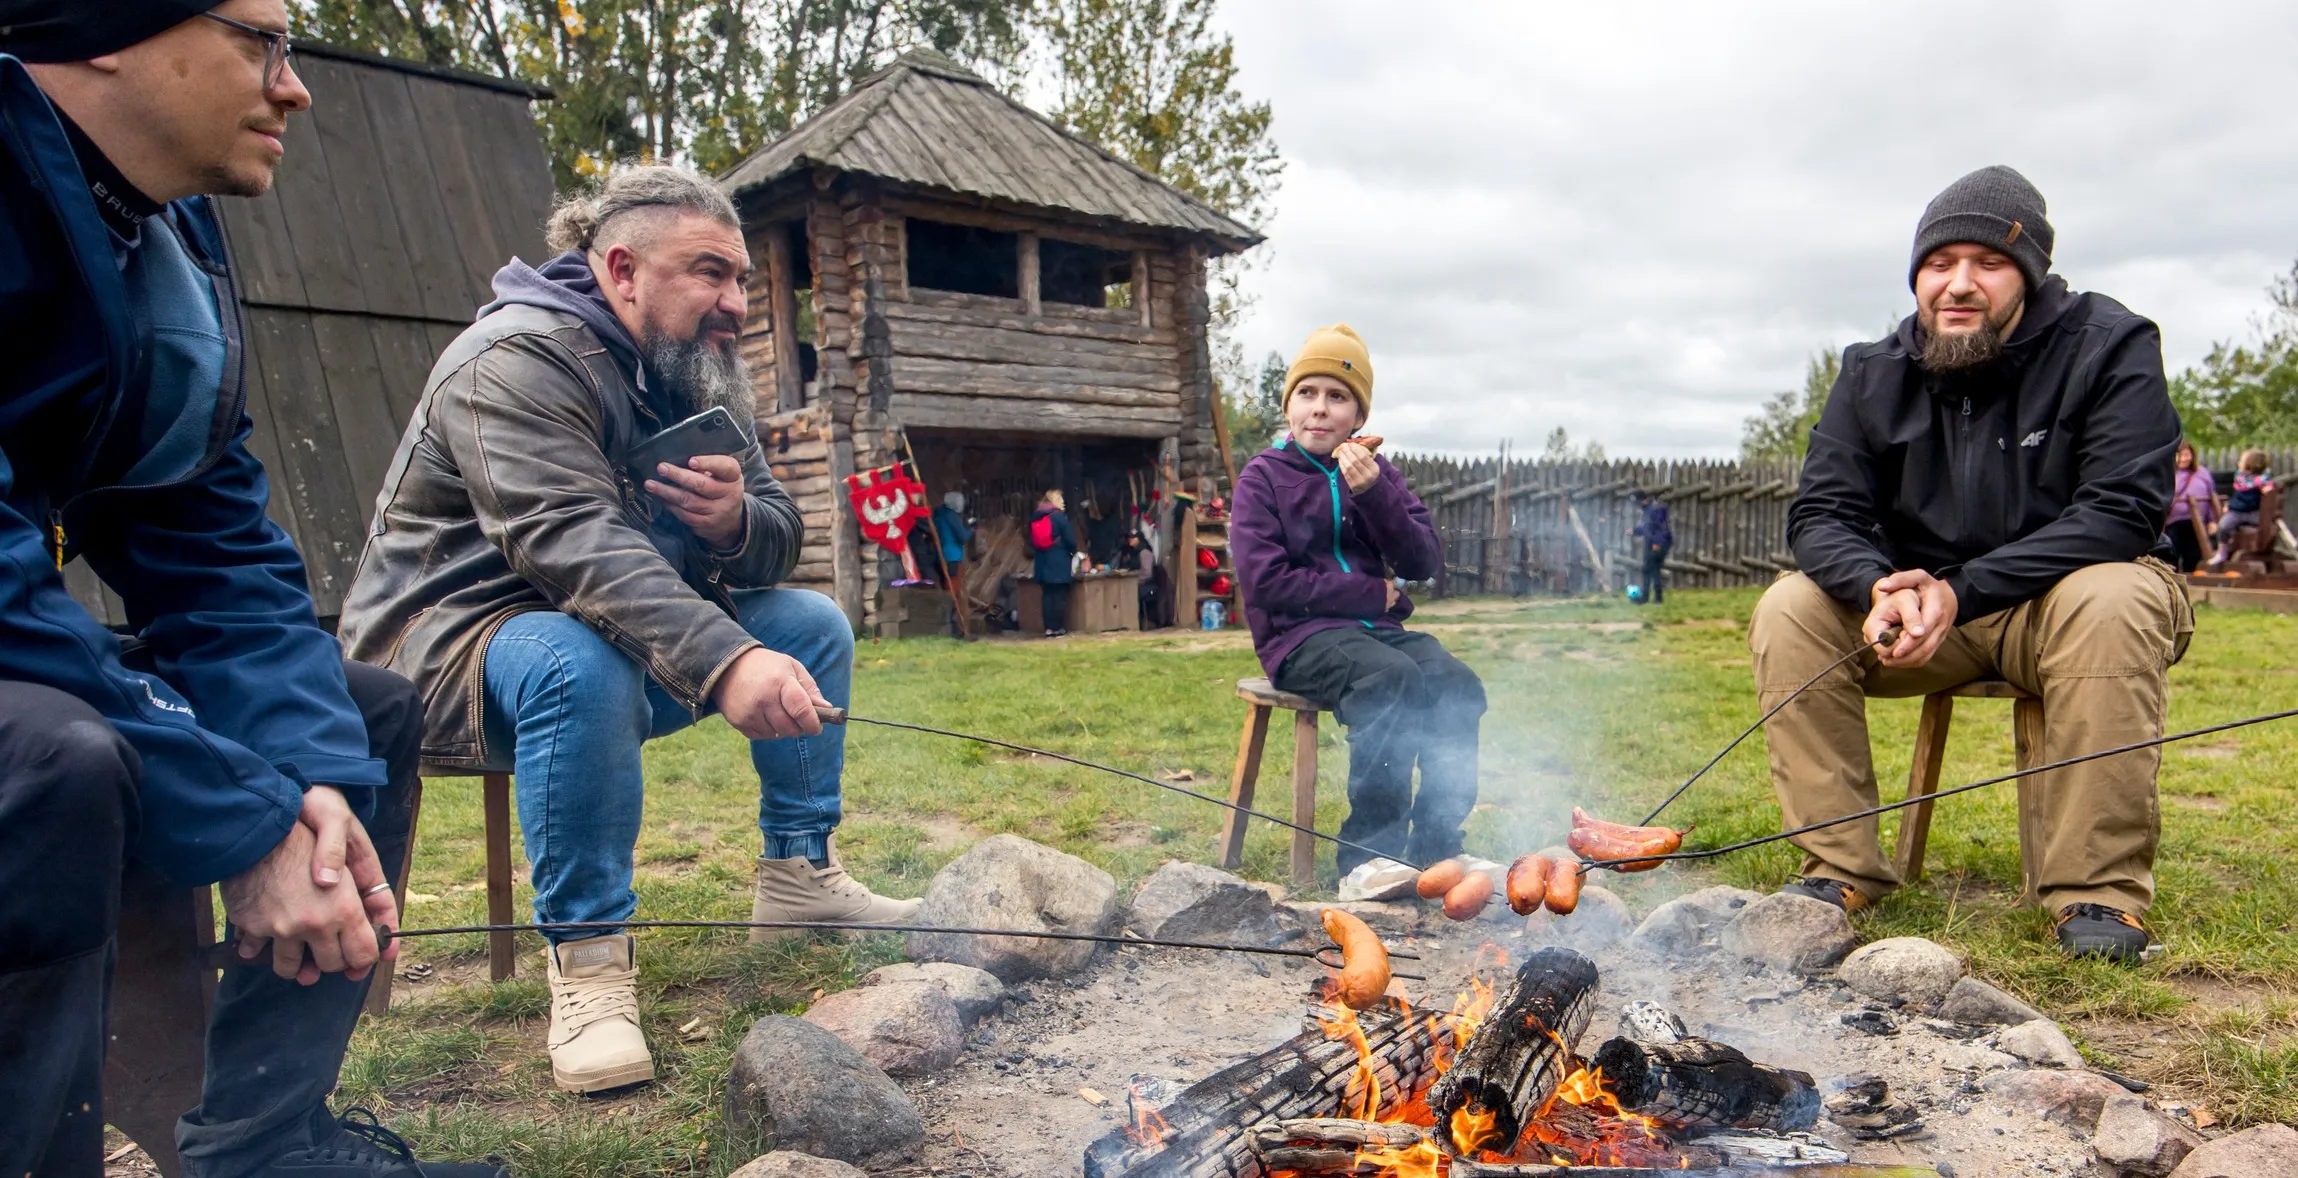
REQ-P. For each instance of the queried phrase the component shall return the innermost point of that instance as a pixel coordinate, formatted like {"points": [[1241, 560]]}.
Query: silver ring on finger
{"points": [[381, 887]]}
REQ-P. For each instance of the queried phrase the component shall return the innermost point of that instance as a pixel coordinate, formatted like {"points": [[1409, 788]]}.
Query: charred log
{"points": [[1521, 1050], [1330, 1146], [1314, 1074], [1702, 1082]]}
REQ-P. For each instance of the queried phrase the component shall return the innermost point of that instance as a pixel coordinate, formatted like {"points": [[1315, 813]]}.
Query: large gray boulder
{"points": [[2268, 1151], [1910, 969], [2040, 1042], [795, 1086], [976, 992], [2073, 1099], [2137, 1141], [1971, 1000], [1008, 882], [1674, 929], [784, 1163], [1193, 902], [905, 1028], [1793, 933]]}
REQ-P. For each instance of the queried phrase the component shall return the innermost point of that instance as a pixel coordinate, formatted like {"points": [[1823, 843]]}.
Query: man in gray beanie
{"points": [[228, 742], [1991, 479]]}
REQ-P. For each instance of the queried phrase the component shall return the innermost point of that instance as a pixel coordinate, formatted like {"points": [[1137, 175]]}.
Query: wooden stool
{"points": [[1931, 750], [1262, 697]]}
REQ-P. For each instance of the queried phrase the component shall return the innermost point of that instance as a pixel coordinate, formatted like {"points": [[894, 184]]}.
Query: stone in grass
{"points": [[1193, 902], [783, 1163], [906, 1028], [2073, 1099], [2136, 1140], [1971, 1000], [1009, 882], [795, 1086], [2040, 1042], [2268, 1151], [1789, 932], [976, 992], [1910, 969]]}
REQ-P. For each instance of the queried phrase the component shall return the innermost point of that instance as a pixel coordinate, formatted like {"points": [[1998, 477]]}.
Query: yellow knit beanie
{"points": [[1338, 352]]}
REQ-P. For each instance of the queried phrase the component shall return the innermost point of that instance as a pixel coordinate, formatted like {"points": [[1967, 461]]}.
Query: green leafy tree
{"points": [[704, 81], [2247, 394], [1781, 432], [1151, 82], [1256, 411]]}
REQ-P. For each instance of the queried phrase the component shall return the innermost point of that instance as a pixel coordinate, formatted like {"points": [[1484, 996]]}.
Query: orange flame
{"points": [[1149, 1126], [1341, 1023], [1419, 1160], [1473, 1126]]}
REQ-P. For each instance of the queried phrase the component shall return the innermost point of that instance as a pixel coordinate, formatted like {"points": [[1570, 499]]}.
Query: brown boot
{"points": [[795, 889], [595, 1043]]}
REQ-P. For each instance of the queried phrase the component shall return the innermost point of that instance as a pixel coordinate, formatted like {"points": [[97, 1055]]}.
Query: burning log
{"points": [[1703, 1082], [1519, 1054], [1323, 1146], [1319, 1073]]}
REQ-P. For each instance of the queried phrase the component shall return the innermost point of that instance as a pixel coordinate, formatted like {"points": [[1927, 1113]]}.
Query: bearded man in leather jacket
{"points": [[1992, 479], [557, 608]]}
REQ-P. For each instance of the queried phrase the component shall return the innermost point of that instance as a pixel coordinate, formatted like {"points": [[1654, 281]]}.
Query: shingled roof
{"points": [[927, 121]]}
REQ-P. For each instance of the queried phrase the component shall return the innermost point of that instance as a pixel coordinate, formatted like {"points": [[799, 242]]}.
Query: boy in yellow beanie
{"points": [[1322, 528]]}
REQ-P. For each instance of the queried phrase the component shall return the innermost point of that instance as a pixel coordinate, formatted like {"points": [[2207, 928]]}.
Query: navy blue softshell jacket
{"points": [[249, 707]]}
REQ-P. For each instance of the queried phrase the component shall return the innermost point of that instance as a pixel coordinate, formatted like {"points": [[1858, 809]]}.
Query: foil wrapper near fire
{"points": [[1496, 1085]]}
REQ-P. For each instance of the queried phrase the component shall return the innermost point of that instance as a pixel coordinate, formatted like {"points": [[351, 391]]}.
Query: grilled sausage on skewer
{"points": [[1439, 879], [1527, 883], [1467, 898], [1364, 972], [1563, 887]]}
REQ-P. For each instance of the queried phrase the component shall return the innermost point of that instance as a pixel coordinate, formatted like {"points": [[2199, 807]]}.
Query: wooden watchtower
{"points": [[936, 260]]}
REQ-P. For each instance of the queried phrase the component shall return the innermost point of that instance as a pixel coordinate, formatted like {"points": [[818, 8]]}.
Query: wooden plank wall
{"points": [[398, 198], [1509, 528]]}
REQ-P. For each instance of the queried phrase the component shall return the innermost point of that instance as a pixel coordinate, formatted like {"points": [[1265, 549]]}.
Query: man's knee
{"points": [[2107, 620], [68, 813], [801, 623], [391, 708], [51, 739], [560, 665], [1450, 683], [1795, 615]]}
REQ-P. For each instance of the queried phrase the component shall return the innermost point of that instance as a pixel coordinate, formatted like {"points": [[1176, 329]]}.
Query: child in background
{"points": [[2251, 482], [1321, 528]]}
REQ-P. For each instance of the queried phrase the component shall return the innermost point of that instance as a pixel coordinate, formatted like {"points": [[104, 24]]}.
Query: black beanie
{"points": [[1995, 207], [76, 30]]}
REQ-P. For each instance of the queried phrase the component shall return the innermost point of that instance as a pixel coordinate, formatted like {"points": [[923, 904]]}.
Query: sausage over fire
{"points": [[1527, 883], [1563, 887], [1439, 878], [1468, 897], [1364, 973], [1602, 840]]}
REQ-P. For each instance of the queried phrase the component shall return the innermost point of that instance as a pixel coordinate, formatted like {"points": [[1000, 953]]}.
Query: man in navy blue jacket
{"points": [[227, 742]]}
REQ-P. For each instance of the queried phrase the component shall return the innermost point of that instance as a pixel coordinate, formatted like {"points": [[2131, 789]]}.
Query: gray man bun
{"points": [[627, 207]]}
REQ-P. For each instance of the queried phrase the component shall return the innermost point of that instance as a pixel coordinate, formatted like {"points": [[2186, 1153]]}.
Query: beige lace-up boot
{"points": [[595, 1043], [795, 889]]}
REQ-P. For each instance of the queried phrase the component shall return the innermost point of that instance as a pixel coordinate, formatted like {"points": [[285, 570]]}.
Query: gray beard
{"points": [[697, 377]]}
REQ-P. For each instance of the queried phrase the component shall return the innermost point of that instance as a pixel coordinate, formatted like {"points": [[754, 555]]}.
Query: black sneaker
{"points": [[363, 1148], [2095, 930], [1832, 891]]}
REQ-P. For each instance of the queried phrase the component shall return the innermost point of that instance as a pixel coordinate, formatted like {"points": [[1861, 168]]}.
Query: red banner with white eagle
{"points": [[885, 501]]}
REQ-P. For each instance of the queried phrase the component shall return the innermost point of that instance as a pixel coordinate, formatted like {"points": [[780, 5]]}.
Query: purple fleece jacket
{"points": [[1298, 580]]}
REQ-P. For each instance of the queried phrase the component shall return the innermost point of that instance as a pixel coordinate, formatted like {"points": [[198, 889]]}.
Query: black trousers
{"points": [[1055, 602], [1655, 572], [68, 824], [1404, 700], [2189, 546]]}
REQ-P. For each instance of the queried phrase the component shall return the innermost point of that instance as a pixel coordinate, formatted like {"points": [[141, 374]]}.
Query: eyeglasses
{"points": [[276, 47]]}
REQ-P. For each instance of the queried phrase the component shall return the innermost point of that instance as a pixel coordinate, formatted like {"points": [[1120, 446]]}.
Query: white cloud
{"points": [[1638, 220]]}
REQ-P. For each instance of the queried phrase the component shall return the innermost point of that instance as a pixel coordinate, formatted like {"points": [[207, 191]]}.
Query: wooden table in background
{"points": [[1098, 603]]}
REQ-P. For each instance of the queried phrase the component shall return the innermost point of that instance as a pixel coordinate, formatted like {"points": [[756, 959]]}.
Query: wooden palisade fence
{"points": [[1519, 526]]}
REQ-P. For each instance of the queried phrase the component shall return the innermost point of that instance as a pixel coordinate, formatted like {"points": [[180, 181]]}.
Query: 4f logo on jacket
{"points": [[2033, 439]]}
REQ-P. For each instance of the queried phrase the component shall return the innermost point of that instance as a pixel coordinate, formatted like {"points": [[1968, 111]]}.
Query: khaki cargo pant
{"points": [[2097, 648]]}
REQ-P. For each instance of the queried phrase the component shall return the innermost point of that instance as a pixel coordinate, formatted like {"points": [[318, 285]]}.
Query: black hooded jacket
{"points": [[1999, 481]]}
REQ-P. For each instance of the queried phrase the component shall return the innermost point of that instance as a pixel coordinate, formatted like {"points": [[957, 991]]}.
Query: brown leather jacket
{"points": [[508, 494]]}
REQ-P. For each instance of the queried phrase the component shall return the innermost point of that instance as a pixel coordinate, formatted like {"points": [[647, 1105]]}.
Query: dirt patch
{"points": [[2223, 750], [945, 833], [2208, 803]]}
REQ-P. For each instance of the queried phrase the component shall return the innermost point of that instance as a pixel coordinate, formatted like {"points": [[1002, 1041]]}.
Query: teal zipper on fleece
{"points": [[1332, 487]]}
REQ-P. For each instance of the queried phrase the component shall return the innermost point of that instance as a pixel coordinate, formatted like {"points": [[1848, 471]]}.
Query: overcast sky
{"points": [[1638, 220]]}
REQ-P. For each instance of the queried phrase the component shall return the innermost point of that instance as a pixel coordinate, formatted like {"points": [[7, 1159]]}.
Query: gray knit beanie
{"points": [[1995, 207]]}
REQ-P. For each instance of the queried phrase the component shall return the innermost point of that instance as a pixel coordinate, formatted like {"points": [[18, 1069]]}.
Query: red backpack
{"points": [[1041, 532]]}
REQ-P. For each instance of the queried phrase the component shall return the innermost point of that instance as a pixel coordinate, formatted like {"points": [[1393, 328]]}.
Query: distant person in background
{"points": [[2251, 482], [1654, 538], [1055, 541], [950, 528], [1140, 558], [2193, 507], [1321, 529]]}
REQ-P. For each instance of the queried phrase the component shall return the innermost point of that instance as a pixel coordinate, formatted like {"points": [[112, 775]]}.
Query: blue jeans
{"points": [[573, 711]]}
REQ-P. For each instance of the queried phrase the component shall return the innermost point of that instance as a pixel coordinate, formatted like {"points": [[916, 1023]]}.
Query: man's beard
{"points": [[697, 377], [1965, 350]]}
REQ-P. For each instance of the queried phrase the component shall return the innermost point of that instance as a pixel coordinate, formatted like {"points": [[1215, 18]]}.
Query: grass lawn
{"points": [[1592, 702]]}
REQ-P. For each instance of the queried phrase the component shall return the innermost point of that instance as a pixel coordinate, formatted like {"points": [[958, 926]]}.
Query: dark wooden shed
{"points": [[936, 260], [403, 189]]}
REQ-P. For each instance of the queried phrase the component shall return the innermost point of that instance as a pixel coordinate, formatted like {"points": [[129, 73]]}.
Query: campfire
{"points": [[1496, 1085]]}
